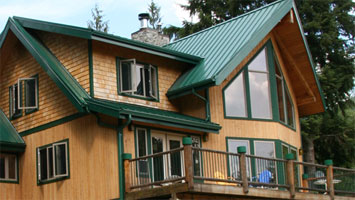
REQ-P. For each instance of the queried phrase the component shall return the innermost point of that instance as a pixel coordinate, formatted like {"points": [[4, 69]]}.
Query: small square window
{"points": [[53, 162], [138, 79], [8, 167]]}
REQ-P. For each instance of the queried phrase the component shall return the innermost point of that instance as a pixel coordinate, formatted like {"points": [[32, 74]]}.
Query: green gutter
{"points": [[207, 103], [91, 69], [120, 146]]}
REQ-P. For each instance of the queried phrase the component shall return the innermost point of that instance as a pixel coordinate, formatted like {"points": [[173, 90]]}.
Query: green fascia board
{"points": [[4, 34], [309, 54], [9, 137], [69, 86], [151, 115], [107, 38]]}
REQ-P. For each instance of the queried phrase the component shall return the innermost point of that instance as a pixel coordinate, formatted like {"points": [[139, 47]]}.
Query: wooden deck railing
{"points": [[189, 164]]}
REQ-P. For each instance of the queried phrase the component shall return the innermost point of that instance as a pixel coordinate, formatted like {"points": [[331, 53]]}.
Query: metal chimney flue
{"points": [[144, 17]]}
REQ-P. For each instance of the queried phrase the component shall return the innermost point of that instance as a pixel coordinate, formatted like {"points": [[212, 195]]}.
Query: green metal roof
{"points": [[225, 45], [151, 115], [107, 38], [10, 140], [64, 80]]}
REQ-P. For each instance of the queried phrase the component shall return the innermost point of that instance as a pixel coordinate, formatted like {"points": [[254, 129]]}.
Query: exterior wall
{"points": [[53, 104], [105, 75], [93, 164], [72, 53], [249, 128]]}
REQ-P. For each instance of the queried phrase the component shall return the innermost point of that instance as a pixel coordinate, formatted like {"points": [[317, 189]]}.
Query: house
{"points": [[75, 103]]}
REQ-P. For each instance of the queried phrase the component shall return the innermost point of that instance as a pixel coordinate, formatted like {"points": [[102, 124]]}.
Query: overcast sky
{"points": [[122, 14]]}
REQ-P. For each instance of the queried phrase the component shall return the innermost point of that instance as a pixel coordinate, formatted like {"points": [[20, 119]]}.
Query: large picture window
{"points": [[137, 79], [8, 168], [53, 161]]}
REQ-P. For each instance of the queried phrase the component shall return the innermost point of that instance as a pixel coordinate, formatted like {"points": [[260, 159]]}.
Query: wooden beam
{"points": [[279, 44], [304, 100]]}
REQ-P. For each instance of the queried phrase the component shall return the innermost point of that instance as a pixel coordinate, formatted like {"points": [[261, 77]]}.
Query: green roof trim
{"points": [[106, 38], [64, 80], [10, 140], [225, 45], [151, 115]]}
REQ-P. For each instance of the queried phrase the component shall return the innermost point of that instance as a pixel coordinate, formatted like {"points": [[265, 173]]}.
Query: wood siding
{"points": [[105, 74], [53, 104], [72, 53], [249, 128], [93, 164]]}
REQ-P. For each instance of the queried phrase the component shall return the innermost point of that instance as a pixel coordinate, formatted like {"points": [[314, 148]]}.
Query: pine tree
{"points": [[97, 23], [154, 14]]}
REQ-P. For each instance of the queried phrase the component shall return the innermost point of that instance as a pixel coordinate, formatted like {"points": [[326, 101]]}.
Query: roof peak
{"points": [[225, 22]]}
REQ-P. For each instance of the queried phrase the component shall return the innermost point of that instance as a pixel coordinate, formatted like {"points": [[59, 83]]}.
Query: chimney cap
{"points": [[143, 16]]}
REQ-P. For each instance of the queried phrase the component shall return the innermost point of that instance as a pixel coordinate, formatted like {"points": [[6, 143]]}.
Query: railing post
{"points": [[127, 171], [243, 167], [330, 184], [305, 181], [290, 174], [189, 173]]}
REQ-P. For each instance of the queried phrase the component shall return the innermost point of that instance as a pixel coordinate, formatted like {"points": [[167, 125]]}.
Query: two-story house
{"points": [[75, 102]]}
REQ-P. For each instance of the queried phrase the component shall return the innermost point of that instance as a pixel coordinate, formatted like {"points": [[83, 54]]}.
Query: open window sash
{"points": [[152, 81], [127, 75], [60, 156], [19, 92]]}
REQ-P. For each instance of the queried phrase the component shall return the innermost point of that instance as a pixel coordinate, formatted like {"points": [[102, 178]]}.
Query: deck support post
{"points": [[290, 174], [330, 184], [189, 172], [305, 182], [243, 168], [127, 171]]}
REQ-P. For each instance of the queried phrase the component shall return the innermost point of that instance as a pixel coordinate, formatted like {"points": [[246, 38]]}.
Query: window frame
{"points": [[16, 179], [55, 177], [131, 93], [12, 97], [35, 108], [271, 58]]}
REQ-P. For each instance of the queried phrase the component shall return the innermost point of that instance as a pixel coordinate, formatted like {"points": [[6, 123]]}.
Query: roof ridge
{"points": [[225, 22]]}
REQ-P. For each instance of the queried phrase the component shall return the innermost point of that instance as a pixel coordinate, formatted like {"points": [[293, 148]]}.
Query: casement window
{"points": [[137, 79], [8, 167], [255, 93], [27, 88], [53, 161]]}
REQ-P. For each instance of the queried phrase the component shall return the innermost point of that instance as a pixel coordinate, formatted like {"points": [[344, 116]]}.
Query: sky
{"points": [[121, 14]]}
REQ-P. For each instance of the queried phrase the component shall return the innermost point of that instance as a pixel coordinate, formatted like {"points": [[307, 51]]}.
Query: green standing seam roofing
{"points": [[151, 115], [225, 45], [10, 140]]}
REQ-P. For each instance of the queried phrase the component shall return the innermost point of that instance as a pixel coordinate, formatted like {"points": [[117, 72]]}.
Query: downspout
{"points": [[120, 144], [206, 101]]}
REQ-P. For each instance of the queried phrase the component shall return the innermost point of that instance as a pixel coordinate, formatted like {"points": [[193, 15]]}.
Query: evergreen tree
{"points": [[154, 14], [97, 23], [329, 28]]}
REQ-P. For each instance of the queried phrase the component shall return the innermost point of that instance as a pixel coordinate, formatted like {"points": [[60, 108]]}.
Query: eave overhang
{"points": [[10, 140]]}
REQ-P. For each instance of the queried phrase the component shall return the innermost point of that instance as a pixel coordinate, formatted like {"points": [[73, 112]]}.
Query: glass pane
{"points": [[259, 63], [126, 77], [284, 151], [290, 114], [234, 97], [139, 80], [153, 81], [15, 97], [234, 160], [60, 160], [12, 166], [2, 166], [280, 100], [158, 162], [142, 148], [266, 169], [30, 93], [175, 158], [50, 162], [146, 82], [43, 163], [260, 95]]}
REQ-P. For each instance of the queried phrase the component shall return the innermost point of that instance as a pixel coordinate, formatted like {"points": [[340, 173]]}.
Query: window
{"points": [[252, 85], [286, 111], [234, 167], [53, 161], [29, 102], [142, 165], [8, 167], [265, 168], [15, 112], [137, 79]]}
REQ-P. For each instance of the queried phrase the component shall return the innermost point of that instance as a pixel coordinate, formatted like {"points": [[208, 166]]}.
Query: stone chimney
{"points": [[149, 35]]}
